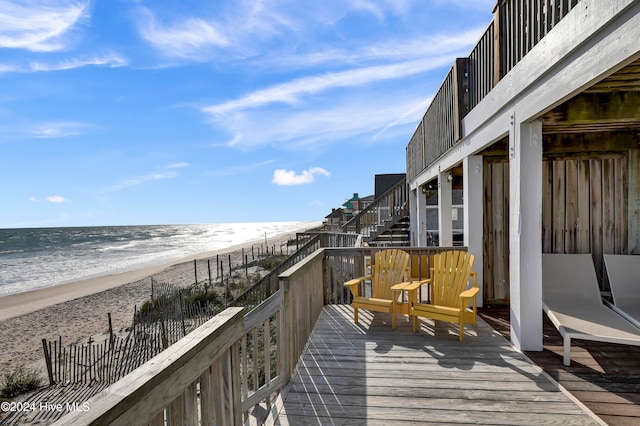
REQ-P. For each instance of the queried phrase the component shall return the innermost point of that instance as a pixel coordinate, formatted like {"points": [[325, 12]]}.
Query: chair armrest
{"points": [[468, 294], [354, 283], [357, 281], [414, 285]]}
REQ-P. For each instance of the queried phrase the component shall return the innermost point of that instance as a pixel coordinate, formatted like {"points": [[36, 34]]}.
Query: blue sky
{"points": [[116, 112]]}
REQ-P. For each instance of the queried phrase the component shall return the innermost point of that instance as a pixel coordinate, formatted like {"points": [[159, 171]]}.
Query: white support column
{"points": [[525, 234], [414, 218], [445, 228], [422, 217], [473, 196]]}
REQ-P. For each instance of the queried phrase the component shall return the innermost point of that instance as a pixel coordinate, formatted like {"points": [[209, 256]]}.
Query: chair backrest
{"points": [[624, 278], [569, 279], [450, 276], [389, 268]]}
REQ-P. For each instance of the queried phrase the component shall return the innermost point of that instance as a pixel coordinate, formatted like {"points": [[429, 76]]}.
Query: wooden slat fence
{"points": [[168, 320]]}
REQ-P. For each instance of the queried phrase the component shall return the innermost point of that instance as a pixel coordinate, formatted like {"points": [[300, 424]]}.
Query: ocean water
{"points": [[32, 258]]}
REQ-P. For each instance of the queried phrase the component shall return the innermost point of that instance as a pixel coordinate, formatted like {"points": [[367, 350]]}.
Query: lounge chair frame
{"points": [[571, 299]]}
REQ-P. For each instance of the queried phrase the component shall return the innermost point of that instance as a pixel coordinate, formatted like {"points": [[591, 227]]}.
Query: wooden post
{"points": [[47, 359], [230, 265], [497, 44], [60, 360], [195, 270], [184, 327], [111, 326]]}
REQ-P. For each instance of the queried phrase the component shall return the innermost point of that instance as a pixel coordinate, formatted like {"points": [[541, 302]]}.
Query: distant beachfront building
{"points": [[333, 221], [538, 129]]}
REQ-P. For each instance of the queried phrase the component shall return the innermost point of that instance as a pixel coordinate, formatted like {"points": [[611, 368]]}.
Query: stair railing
{"points": [[382, 214]]}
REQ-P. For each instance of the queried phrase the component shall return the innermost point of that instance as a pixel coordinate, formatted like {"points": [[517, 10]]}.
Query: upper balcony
{"points": [[517, 27]]}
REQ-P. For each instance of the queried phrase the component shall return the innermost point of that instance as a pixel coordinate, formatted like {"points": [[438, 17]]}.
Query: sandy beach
{"points": [[79, 310]]}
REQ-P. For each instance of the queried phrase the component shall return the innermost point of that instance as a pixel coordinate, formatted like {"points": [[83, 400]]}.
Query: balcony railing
{"points": [[230, 371], [380, 215], [518, 26]]}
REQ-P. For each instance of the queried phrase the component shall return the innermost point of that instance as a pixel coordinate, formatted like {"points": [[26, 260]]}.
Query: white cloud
{"points": [[291, 92], [110, 60], [139, 180], [60, 129], [333, 106], [285, 177], [57, 199], [189, 38], [39, 26], [177, 166], [326, 121], [33, 199]]}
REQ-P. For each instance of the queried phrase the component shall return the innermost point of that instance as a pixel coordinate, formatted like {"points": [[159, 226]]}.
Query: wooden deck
{"points": [[604, 377], [368, 374]]}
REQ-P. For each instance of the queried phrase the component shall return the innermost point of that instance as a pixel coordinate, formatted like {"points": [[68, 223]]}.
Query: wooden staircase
{"points": [[384, 223]]}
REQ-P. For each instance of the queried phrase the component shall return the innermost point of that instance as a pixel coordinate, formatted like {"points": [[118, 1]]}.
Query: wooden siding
{"points": [[584, 206], [368, 374], [496, 230], [584, 210]]}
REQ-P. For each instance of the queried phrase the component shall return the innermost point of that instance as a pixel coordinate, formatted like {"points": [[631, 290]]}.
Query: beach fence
{"points": [[171, 315]]}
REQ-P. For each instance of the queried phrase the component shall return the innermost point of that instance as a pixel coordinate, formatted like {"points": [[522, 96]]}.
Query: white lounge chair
{"points": [[624, 279], [571, 299]]}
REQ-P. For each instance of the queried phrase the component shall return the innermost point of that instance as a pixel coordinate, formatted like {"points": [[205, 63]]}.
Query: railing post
{"points": [[461, 97], [498, 68], [285, 350], [226, 373]]}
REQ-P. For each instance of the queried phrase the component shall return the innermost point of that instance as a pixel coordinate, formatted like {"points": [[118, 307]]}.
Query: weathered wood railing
{"points": [[382, 213], [518, 26], [266, 286], [231, 370], [523, 23], [482, 69]]}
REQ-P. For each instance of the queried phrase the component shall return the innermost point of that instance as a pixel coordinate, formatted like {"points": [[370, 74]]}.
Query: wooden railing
{"points": [[518, 25], [482, 75], [385, 211], [231, 370], [268, 284], [523, 23]]}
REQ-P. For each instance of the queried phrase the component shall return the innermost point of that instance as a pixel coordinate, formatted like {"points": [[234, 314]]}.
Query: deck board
{"points": [[368, 374], [603, 376]]}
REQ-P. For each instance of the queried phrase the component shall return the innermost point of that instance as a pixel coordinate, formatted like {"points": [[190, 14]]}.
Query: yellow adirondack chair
{"points": [[450, 298], [390, 267]]}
